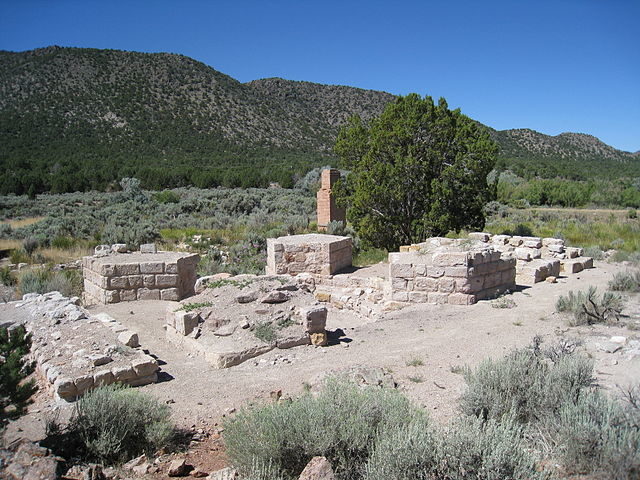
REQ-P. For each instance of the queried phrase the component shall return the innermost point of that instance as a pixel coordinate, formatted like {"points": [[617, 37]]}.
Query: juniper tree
{"points": [[418, 170], [14, 368]]}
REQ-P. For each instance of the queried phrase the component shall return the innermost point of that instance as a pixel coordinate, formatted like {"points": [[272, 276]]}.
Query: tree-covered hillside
{"points": [[80, 119]]}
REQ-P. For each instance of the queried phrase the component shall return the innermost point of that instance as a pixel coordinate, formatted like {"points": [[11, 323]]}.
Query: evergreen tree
{"points": [[419, 170], [14, 391]]}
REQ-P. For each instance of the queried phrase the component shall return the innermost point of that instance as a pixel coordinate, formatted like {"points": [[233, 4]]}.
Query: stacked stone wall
{"points": [[128, 277], [454, 277], [312, 253]]}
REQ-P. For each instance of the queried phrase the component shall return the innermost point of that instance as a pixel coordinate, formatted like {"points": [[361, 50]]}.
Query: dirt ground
{"points": [[420, 345]]}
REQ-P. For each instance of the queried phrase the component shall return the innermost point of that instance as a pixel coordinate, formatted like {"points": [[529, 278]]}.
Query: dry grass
{"points": [[8, 244], [58, 255], [23, 222]]}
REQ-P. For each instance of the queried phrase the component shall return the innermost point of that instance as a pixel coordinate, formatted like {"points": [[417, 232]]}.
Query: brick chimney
{"points": [[327, 209]]}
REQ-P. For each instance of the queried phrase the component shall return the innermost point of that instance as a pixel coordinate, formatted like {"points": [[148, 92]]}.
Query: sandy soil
{"points": [[420, 345]]}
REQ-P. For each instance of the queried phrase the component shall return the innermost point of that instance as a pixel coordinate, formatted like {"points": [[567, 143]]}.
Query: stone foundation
{"points": [[139, 276], [311, 253], [443, 270]]}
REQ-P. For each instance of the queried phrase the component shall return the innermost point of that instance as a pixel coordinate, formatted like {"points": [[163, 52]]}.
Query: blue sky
{"points": [[554, 66]]}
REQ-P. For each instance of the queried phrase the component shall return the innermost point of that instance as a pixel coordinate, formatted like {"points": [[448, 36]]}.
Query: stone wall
{"points": [[443, 270], [328, 211], [75, 352], [537, 258], [311, 253], [139, 276]]}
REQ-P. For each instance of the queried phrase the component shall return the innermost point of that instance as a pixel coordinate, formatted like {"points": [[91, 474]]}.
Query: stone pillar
{"points": [[328, 211]]}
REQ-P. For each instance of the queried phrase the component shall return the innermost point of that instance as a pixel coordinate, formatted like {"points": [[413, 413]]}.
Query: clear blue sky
{"points": [[554, 66]]}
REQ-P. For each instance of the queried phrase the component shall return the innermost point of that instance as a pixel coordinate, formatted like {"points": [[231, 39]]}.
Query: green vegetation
{"points": [[628, 281], [15, 390], [265, 332], [189, 307], [142, 426], [43, 280], [406, 184], [587, 308]]}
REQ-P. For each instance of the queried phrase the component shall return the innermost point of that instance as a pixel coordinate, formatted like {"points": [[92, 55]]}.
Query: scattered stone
{"points": [[196, 473], [551, 279], [225, 330], [98, 359], [319, 339], [148, 248], [129, 338], [32, 462], [247, 297], [102, 250], [318, 468], [618, 339], [119, 248], [275, 296], [178, 468], [314, 319], [609, 347]]}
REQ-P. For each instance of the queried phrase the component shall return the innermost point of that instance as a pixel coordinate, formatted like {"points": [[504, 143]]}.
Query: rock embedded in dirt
{"points": [[247, 297], [275, 296], [318, 468], [129, 338], [32, 462], [224, 474], [178, 468]]}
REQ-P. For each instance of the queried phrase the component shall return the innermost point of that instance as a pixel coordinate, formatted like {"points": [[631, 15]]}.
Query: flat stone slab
{"points": [[76, 352], [310, 253]]}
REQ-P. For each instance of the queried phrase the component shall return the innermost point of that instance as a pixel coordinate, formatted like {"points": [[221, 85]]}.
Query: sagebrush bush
{"points": [[43, 280], [526, 384], [116, 423], [594, 252], [598, 436], [30, 244], [340, 423], [587, 307], [628, 281]]}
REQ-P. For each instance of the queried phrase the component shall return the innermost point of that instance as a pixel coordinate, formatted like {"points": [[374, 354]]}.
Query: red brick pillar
{"points": [[328, 211]]}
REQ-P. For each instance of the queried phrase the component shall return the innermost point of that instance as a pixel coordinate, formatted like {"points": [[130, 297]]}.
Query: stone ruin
{"points": [[310, 253], [124, 277], [443, 270], [245, 316], [327, 209], [537, 258], [75, 352]]}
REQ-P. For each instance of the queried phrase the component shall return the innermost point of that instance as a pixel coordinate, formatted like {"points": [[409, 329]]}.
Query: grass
{"points": [[23, 222], [416, 378], [603, 229], [369, 257], [189, 307], [62, 255], [415, 362], [10, 244], [503, 302]]}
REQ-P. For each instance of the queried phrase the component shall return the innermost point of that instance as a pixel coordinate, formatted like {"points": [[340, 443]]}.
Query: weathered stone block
{"points": [[185, 322], [102, 378], [171, 267], [461, 299], [169, 294], [418, 297], [135, 281], [401, 270], [446, 285], [122, 269], [149, 281], [148, 248], [123, 374], [148, 294], [65, 388], [144, 366], [458, 271], [128, 295], [118, 282], [83, 383], [437, 298], [480, 236], [314, 319], [435, 272], [152, 267]]}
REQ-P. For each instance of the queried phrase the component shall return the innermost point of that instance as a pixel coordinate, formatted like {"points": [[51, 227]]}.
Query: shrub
{"points": [[527, 383], [632, 214], [6, 231], [63, 242], [587, 308], [625, 281], [67, 282], [15, 392], [265, 332], [597, 436], [166, 196], [29, 245], [287, 435], [115, 423], [594, 252], [19, 256], [6, 277]]}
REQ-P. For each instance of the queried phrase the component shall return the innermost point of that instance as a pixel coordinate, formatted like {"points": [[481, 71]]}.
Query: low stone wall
{"points": [[443, 270], [139, 276], [537, 258], [75, 352], [311, 253]]}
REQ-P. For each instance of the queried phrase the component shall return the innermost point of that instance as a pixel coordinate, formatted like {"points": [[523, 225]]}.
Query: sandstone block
{"points": [[166, 281], [83, 383], [500, 239], [152, 267], [449, 259], [65, 388], [420, 270], [314, 319], [148, 248], [523, 254], [480, 236], [148, 294], [102, 378], [123, 269], [458, 271], [435, 272], [102, 250], [119, 248], [552, 241], [437, 298], [426, 284], [129, 338], [135, 281], [128, 295], [587, 262], [169, 294], [571, 266], [319, 339], [111, 296], [171, 267], [144, 366], [446, 285], [418, 297], [185, 322], [401, 270], [123, 374], [461, 299], [149, 281], [400, 296], [107, 270], [275, 296], [118, 282]]}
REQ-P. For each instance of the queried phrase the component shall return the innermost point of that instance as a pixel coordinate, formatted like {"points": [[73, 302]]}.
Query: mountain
{"points": [[79, 119]]}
